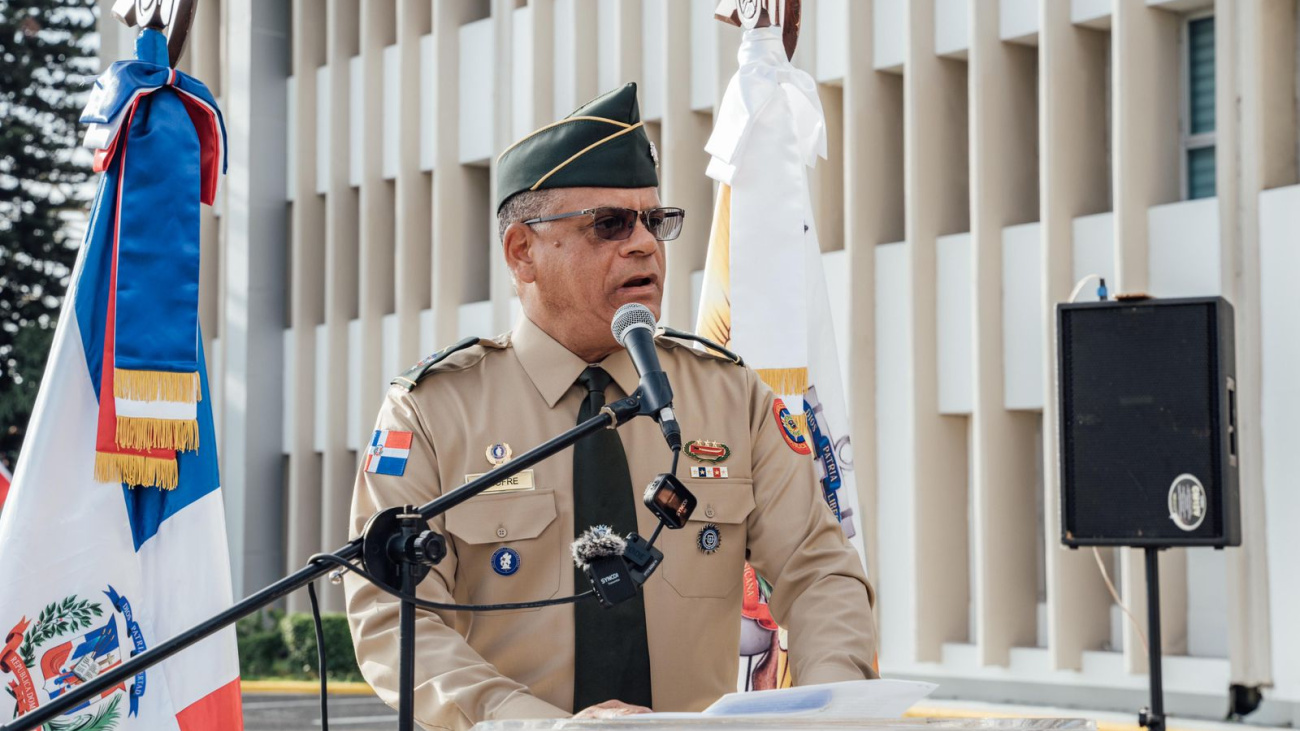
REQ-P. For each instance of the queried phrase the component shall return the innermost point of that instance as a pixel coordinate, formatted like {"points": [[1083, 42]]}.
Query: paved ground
{"points": [[264, 712]]}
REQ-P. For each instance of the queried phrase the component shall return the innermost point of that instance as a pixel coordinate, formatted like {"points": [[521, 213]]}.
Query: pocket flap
{"points": [[500, 518], [721, 501]]}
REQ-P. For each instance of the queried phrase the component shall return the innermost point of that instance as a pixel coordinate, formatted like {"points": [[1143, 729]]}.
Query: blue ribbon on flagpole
{"points": [[123, 606]]}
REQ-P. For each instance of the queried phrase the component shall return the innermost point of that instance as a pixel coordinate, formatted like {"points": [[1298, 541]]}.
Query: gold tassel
{"points": [[156, 386], [136, 470], [179, 434], [787, 381]]}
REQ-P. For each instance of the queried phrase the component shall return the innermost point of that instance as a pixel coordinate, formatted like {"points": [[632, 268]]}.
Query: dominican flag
{"points": [[764, 291], [93, 572], [387, 452]]}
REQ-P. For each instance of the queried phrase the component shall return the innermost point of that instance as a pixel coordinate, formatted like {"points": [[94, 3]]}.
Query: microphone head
{"points": [[629, 316], [597, 543]]}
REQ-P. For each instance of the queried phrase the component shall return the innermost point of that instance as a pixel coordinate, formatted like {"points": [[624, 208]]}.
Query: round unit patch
{"points": [[505, 561], [1187, 504], [789, 426], [709, 539], [499, 453]]}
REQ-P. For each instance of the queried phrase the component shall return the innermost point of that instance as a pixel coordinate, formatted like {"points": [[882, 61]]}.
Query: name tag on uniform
{"points": [[518, 483]]}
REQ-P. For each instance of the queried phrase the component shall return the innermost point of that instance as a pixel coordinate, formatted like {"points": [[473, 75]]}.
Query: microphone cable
{"points": [[330, 558], [439, 606]]}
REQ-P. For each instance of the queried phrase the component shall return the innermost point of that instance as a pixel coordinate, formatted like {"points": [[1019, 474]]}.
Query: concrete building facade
{"points": [[984, 156]]}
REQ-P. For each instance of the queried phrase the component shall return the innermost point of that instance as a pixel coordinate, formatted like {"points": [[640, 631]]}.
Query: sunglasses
{"points": [[617, 224]]}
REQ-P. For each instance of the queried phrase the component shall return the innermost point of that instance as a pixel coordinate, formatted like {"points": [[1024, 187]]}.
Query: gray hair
{"points": [[522, 206]]}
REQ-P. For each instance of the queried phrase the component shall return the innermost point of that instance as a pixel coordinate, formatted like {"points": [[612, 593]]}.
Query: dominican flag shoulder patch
{"points": [[388, 451]]}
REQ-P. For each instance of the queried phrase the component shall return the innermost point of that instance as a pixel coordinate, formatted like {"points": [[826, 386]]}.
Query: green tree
{"points": [[47, 64]]}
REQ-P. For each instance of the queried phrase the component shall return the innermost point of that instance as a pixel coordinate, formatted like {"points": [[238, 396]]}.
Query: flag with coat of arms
{"points": [[764, 294], [113, 537]]}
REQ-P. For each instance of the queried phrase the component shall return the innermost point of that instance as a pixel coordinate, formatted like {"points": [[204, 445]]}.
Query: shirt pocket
{"points": [[486, 528], [723, 506]]}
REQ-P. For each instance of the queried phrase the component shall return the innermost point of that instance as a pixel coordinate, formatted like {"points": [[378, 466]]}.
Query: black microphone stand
{"points": [[396, 546]]}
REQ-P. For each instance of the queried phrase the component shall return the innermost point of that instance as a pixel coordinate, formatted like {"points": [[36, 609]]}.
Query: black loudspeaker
{"points": [[1148, 423]]}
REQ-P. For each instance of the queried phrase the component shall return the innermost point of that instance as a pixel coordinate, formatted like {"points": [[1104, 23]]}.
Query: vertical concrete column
{"points": [[1003, 186], [682, 181], [1073, 181], [338, 464], [873, 215], [375, 246], [936, 203], [306, 294], [1255, 62], [256, 229], [584, 34], [413, 188], [453, 184], [500, 284], [1145, 44]]}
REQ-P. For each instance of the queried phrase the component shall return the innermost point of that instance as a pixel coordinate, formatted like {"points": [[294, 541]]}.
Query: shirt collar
{"points": [[553, 368]]}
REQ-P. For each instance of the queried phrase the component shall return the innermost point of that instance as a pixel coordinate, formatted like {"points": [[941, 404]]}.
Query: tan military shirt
{"points": [[519, 390]]}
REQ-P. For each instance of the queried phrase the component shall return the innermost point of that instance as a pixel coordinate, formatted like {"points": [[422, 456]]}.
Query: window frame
{"points": [[1189, 141]]}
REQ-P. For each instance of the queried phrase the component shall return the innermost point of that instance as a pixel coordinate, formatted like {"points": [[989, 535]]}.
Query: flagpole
{"points": [[373, 546]]}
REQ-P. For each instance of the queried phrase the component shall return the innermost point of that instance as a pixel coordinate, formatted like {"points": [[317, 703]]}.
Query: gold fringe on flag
{"points": [[181, 435], [156, 386], [136, 470], [788, 381]]}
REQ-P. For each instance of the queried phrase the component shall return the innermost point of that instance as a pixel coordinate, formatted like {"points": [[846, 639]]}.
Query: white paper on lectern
{"points": [[850, 699]]}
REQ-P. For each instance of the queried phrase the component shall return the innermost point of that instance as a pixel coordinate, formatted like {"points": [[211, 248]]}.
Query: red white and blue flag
{"points": [[113, 536], [387, 452]]}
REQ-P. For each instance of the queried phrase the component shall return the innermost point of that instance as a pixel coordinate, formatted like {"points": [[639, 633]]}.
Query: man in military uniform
{"points": [[583, 233]]}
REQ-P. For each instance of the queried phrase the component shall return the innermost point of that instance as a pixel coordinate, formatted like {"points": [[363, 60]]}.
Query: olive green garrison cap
{"points": [[602, 144]]}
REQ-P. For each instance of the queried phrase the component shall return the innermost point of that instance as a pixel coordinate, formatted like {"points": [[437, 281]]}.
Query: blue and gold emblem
{"points": [[498, 453], [709, 539]]}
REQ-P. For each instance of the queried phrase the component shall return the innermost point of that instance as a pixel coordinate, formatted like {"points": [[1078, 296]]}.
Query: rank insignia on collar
{"points": [[706, 451], [505, 561], [498, 454], [704, 472], [709, 539]]}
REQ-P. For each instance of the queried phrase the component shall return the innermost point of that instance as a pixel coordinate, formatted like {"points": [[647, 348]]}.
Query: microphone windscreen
{"points": [[596, 543], [631, 315]]}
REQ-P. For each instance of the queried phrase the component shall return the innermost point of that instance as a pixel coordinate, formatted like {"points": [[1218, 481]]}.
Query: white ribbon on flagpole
{"points": [[769, 130]]}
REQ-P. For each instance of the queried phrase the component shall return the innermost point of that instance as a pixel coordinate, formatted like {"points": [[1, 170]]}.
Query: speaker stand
{"points": [[1153, 717]]}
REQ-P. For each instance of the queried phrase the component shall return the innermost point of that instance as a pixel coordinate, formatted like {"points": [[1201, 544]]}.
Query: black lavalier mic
{"points": [[634, 329], [615, 565]]}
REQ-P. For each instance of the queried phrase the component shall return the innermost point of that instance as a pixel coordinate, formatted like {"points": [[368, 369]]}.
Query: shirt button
{"points": [[708, 511], [501, 532]]}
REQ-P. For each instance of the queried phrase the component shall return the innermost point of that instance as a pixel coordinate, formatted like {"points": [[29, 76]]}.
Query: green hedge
{"points": [[273, 644]]}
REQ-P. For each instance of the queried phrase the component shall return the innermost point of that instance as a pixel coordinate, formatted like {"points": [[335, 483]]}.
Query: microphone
{"points": [[634, 329], [614, 565]]}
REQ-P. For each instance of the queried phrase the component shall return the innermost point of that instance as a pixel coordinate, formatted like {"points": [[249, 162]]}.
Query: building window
{"points": [[1198, 116]]}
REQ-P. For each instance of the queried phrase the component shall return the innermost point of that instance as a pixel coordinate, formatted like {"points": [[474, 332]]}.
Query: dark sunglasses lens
{"points": [[665, 223], [614, 224]]}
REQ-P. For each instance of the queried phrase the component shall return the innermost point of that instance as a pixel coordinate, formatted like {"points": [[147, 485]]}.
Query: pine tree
{"points": [[47, 64]]}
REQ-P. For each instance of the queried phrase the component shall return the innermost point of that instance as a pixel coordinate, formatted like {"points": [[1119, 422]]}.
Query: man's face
{"points": [[579, 280]]}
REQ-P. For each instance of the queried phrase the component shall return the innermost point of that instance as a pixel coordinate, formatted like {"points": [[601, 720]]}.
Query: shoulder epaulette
{"points": [[683, 335], [412, 376]]}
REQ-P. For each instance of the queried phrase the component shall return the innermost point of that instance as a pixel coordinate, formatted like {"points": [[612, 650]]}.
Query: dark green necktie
{"points": [[611, 653]]}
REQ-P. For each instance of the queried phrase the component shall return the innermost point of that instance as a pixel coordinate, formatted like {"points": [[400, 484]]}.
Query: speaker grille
{"points": [[1140, 405]]}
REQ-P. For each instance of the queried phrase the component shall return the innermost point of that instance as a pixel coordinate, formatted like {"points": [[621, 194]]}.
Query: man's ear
{"points": [[517, 244]]}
